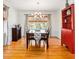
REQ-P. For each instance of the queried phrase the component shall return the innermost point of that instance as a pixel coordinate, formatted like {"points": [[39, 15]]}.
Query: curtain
{"points": [[25, 25]]}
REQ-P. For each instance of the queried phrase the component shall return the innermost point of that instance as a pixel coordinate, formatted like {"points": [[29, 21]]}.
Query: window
{"points": [[38, 24]]}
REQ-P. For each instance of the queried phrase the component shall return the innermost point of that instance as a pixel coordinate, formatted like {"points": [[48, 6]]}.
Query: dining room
{"points": [[35, 29]]}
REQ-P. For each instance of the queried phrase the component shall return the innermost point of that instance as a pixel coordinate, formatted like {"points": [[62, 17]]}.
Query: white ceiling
{"points": [[43, 4]]}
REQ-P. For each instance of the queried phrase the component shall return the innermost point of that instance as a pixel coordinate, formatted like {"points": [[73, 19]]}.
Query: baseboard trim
{"points": [[54, 37]]}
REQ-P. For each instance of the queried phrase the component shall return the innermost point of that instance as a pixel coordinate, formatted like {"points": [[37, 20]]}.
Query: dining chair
{"points": [[44, 38]]}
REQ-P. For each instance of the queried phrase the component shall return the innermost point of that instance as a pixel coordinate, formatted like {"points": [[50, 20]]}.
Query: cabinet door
{"points": [[14, 34]]}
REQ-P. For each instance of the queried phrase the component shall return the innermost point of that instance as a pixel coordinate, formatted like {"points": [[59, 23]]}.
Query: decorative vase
{"points": [[67, 4]]}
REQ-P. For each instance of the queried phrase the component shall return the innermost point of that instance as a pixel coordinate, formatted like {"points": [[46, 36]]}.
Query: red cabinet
{"points": [[68, 28]]}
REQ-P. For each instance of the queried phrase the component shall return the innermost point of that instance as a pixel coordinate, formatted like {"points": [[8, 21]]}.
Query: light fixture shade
{"points": [[37, 15]]}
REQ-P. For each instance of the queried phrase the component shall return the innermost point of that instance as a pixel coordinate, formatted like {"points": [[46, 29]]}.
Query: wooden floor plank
{"points": [[17, 50]]}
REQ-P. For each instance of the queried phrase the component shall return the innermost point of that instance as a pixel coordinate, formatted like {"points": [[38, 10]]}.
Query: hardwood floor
{"points": [[17, 50]]}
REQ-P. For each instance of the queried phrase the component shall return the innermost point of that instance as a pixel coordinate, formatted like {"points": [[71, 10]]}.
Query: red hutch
{"points": [[68, 28]]}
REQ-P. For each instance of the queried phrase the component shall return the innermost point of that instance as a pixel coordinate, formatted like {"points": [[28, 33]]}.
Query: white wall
{"points": [[18, 17], [55, 21], [69, 1], [12, 19], [22, 18], [56, 24], [21, 21]]}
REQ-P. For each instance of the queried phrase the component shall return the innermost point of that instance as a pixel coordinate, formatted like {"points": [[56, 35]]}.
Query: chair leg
{"points": [[27, 44], [30, 43], [39, 43], [35, 43], [28, 47], [45, 47], [47, 43]]}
